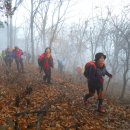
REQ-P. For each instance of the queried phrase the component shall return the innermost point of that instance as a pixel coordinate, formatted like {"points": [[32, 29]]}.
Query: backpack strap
{"points": [[91, 63]]}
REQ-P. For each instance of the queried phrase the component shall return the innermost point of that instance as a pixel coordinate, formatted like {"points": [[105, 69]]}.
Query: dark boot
{"points": [[44, 78], [100, 107], [17, 64], [86, 97], [21, 64], [49, 81], [49, 76]]}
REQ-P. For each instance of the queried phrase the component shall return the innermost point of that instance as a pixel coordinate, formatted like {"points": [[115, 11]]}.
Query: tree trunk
{"points": [[8, 38], [31, 26], [124, 85], [11, 33]]}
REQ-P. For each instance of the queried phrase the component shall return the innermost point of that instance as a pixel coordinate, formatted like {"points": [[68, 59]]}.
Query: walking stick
{"points": [[107, 99], [107, 86]]}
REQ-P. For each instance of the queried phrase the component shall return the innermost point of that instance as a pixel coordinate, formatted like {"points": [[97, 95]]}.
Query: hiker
{"points": [[60, 65], [3, 57], [94, 72], [79, 70], [8, 58], [18, 59], [28, 57], [45, 62], [79, 73]]}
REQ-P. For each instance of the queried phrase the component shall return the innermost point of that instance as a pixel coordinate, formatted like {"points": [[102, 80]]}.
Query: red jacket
{"points": [[46, 62], [18, 53]]}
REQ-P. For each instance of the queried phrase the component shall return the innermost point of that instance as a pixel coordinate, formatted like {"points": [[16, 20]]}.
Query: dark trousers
{"points": [[92, 87], [47, 76], [8, 61], [60, 67], [19, 64]]}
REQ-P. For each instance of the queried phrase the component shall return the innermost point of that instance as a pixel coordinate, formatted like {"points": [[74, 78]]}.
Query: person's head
{"points": [[10, 49], [16, 48], [100, 59], [48, 52]]}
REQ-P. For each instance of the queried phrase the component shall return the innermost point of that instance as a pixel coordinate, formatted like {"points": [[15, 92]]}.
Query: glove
{"points": [[110, 75]]}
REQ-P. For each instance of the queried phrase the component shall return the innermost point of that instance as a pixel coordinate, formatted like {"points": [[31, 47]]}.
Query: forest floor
{"points": [[27, 103]]}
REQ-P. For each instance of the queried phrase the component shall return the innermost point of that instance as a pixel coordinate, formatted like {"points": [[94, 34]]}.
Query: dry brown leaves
{"points": [[66, 110]]}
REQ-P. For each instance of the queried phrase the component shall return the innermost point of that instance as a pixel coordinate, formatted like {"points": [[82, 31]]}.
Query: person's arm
{"points": [[108, 74]]}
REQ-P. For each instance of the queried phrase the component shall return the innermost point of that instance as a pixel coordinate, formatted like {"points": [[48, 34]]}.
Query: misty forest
{"points": [[64, 65]]}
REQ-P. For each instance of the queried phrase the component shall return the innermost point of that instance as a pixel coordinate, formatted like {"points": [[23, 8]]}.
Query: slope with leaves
{"points": [[27, 103]]}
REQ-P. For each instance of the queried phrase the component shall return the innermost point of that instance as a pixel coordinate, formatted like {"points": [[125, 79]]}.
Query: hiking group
{"points": [[8, 55], [94, 71]]}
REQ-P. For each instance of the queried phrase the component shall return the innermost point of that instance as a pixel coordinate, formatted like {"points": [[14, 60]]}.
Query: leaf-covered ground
{"points": [[27, 103]]}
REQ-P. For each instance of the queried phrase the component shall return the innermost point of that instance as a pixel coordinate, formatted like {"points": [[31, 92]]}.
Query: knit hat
{"points": [[99, 55]]}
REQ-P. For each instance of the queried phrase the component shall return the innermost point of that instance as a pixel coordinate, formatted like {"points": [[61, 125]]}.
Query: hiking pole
{"points": [[107, 99], [107, 86]]}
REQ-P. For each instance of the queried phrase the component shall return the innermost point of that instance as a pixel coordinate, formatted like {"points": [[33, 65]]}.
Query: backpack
{"points": [[87, 68], [41, 60]]}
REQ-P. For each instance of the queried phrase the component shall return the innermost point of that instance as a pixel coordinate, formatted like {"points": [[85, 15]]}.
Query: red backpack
{"points": [[87, 68], [40, 59]]}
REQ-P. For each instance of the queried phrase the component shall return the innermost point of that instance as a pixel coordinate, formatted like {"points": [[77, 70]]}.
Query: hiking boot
{"points": [[44, 78], [49, 82], [86, 102], [101, 109]]}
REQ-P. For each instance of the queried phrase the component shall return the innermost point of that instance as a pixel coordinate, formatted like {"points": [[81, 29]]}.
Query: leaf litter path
{"points": [[52, 107]]}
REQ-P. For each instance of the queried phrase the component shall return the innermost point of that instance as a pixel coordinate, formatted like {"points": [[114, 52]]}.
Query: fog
{"points": [[75, 30]]}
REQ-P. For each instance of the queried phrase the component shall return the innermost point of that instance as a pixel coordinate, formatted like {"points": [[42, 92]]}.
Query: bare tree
{"points": [[60, 18], [41, 25], [124, 29], [34, 9]]}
